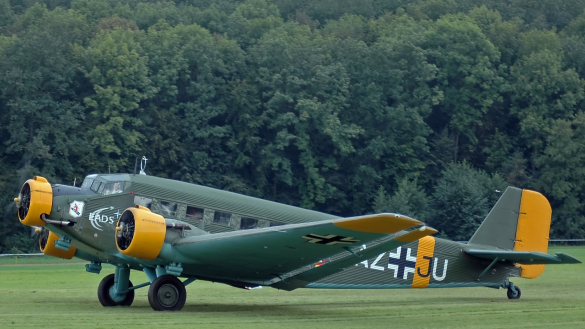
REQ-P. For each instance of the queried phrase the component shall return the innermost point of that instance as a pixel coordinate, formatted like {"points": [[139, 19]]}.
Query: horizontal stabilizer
{"points": [[524, 257]]}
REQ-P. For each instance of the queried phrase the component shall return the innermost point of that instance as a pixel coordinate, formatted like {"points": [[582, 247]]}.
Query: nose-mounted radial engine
{"points": [[34, 200]]}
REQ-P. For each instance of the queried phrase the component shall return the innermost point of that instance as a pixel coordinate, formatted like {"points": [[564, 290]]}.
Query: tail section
{"points": [[519, 221]]}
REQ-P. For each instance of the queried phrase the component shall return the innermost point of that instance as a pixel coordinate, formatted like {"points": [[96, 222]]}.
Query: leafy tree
{"points": [[542, 92], [502, 34], [251, 20], [498, 152], [119, 75], [390, 97], [36, 84], [469, 75], [303, 93], [562, 176], [409, 199], [6, 13], [462, 199], [432, 9]]}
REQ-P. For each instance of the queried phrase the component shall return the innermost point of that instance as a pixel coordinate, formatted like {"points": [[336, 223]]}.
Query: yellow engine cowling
{"points": [[140, 233], [35, 199], [47, 245]]}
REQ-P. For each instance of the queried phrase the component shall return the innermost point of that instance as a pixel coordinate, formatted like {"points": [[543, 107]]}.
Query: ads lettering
{"points": [[96, 218]]}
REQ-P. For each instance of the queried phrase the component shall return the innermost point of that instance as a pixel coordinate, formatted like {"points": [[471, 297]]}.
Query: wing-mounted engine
{"points": [[47, 245], [35, 199], [140, 233]]}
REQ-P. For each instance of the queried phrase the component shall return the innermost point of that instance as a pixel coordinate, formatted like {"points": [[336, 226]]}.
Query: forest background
{"points": [[426, 108]]}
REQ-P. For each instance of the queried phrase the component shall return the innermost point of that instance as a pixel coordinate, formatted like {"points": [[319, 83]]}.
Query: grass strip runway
{"points": [[65, 296]]}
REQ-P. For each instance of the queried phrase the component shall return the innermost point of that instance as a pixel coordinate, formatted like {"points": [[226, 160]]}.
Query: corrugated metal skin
{"points": [[210, 198], [214, 228], [462, 271]]}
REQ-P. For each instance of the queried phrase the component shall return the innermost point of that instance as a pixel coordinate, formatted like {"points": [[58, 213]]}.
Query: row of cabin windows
{"points": [[169, 209]]}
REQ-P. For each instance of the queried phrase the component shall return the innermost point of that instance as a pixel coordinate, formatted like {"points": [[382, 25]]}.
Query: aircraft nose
{"points": [[35, 198]]}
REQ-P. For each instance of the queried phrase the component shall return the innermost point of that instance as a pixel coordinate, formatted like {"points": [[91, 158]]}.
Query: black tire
{"points": [[511, 294], [104, 293], [167, 293]]}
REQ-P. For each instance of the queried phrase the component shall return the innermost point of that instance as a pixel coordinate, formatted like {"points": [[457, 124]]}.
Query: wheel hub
{"points": [[168, 295]]}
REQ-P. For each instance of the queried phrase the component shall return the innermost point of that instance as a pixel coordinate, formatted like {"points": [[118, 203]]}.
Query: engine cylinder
{"points": [[35, 199], [47, 245], [140, 233]]}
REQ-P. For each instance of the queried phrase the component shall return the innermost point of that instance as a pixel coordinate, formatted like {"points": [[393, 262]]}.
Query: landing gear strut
{"points": [[104, 293], [513, 291], [167, 293], [114, 290]]}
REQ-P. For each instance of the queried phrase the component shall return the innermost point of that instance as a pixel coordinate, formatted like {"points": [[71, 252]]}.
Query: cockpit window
{"points": [[88, 181], [95, 186], [112, 188]]}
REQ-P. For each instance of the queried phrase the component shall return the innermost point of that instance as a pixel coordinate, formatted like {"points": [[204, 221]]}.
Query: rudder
{"points": [[533, 229]]}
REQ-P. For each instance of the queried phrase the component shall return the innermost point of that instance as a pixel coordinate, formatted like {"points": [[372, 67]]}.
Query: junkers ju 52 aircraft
{"points": [[170, 229]]}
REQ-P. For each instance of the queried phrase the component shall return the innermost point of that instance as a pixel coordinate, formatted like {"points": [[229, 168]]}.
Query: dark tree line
{"points": [[345, 106]]}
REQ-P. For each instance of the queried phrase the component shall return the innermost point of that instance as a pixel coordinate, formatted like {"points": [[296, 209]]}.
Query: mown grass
{"points": [[64, 296], [20, 260]]}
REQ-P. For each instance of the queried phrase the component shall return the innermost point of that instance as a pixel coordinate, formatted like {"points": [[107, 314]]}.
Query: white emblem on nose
{"points": [[76, 209]]}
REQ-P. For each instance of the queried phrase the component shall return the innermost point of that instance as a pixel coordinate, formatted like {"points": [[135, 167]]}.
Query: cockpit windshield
{"points": [[88, 181], [113, 188], [105, 184]]}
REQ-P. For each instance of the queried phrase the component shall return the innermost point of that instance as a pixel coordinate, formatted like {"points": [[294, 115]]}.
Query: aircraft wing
{"points": [[263, 256], [524, 257]]}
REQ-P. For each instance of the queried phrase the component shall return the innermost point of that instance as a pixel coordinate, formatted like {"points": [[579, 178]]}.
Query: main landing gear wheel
{"points": [[104, 293], [516, 295], [167, 293]]}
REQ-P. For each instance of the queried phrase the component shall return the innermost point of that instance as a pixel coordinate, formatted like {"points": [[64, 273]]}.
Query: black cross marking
{"points": [[402, 263], [330, 239]]}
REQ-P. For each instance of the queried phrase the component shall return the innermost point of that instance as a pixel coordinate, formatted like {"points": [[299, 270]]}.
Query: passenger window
{"points": [[113, 188], [168, 208], [194, 213], [142, 201], [222, 218], [248, 223], [275, 224]]}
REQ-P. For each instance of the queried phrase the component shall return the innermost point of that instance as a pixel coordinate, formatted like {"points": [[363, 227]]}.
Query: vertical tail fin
{"points": [[519, 221]]}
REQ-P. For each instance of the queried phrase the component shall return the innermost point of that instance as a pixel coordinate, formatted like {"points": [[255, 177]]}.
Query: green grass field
{"points": [[64, 296]]}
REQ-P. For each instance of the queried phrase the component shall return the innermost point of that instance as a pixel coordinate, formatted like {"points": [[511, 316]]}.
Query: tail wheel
{"points": [[104, 293], [167, 293], [516, 295]]}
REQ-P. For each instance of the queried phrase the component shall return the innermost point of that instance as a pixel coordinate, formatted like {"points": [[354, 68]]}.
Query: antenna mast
{"points": [[143, 165]]}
